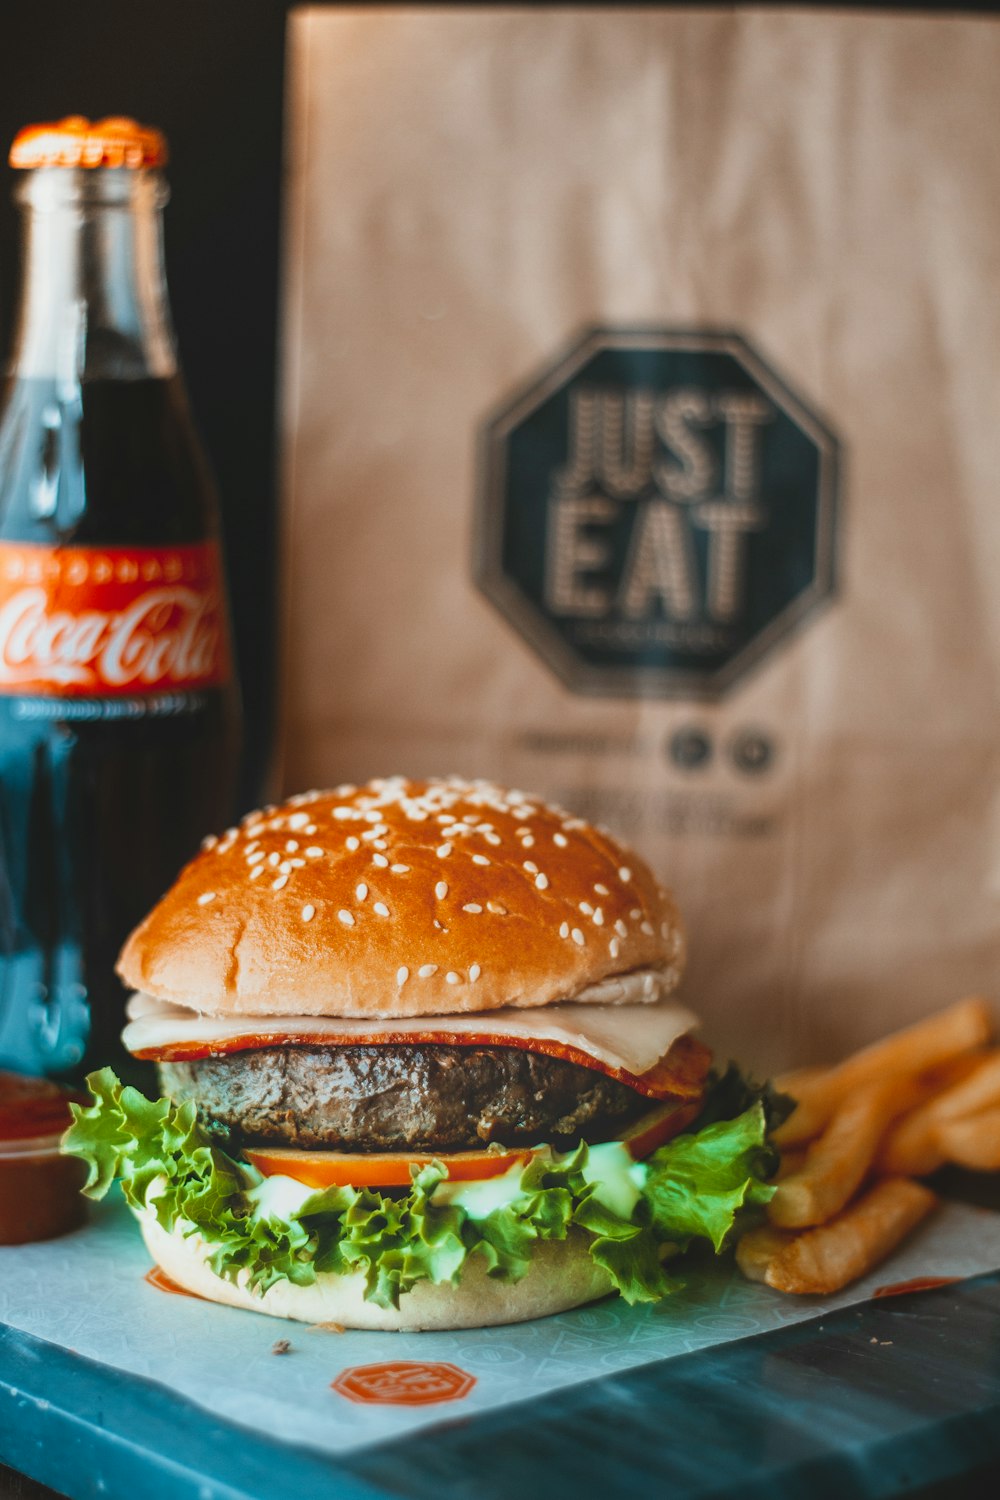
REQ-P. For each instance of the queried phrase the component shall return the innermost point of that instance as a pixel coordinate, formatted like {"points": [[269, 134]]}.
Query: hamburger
{"points": [[422, 1067]]}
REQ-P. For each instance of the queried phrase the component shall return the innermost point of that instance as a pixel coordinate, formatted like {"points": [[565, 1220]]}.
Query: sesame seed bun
{"points": [[403, 898]]}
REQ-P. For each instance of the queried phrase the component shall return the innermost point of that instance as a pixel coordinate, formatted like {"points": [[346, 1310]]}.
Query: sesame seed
{"points": [[308, 912], [381, 908], [285, 868], [564, 929], [347, 790], [635, 913], [292, 846], [379, 844], [353, 843], [531, 868], [426, 970], [310, 828], [209, 842], [443, 850], [298, 820], [452, 978], [480, 859], [313, 852], [474, 973], [578, 936], [206, 897], [614, 947], [258, 870], [620, 928], [541, 882], [380, 860], [400, 869], [493, 838], [560, 839], [624, 873], [527, 842], [346, 917], [274, 859], [255, 859], [665, 929], [361, 891], [297, 864], [340, 813], [647, 928], [586, 908], [602, 890], [402, 975], [280, 883], [598, 918], [496, 908]]}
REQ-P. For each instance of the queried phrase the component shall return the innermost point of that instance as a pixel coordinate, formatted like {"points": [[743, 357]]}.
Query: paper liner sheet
{"points": [[88, 1293]]}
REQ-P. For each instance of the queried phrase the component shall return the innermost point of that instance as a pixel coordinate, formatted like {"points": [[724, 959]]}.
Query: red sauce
{"points": [[681, 1074], [917, 1284], [39, 1188], [157, 1277]]}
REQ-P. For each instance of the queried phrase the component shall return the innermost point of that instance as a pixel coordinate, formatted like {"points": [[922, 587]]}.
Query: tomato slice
{"points": [[323, 1169], [656, 1126]]}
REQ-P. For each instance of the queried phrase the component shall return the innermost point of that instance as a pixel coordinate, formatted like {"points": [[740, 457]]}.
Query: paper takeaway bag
{"points": [[642, 385]]}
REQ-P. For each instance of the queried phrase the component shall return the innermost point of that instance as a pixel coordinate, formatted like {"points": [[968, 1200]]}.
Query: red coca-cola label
{"points": [[100, 622]]}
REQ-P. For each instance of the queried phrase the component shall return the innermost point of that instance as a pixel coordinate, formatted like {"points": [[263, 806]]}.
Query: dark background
{"points": [[210, 73]]}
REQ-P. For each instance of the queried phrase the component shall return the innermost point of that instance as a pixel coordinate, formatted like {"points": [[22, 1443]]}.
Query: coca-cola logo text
{"points": [[105, 636]]}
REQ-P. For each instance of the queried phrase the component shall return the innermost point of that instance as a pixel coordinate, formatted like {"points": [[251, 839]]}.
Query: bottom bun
{"points": [[562, 1275]]}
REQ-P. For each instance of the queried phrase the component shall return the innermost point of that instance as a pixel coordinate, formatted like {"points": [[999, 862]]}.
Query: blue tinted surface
{"points": [[875, 1401]]}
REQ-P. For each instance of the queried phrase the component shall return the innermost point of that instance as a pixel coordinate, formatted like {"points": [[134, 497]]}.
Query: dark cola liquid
{"points": [[102, 800]]}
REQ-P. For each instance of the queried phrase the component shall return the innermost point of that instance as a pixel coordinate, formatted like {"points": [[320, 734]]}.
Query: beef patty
{"points": [[424, 1097]]}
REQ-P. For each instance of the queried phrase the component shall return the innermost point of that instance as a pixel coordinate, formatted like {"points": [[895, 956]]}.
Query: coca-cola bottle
{"points": [[119, 715]]}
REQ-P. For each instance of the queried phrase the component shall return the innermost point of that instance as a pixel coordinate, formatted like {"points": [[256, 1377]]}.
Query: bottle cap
{"points": [[78, 142]]}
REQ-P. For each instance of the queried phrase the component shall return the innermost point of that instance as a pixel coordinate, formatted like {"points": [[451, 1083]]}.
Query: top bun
{"points": [[403, 898]]}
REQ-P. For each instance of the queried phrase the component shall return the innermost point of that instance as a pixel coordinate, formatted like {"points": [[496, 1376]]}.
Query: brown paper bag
{"points": [[642, 380]]}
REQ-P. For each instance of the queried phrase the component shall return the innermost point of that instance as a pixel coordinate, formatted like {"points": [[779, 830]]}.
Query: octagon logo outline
{"points": [[529, 620], [404, 1382]]}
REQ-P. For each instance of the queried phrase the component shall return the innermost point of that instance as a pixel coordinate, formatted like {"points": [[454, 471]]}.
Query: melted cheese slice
{"points": [[617, 1038]]}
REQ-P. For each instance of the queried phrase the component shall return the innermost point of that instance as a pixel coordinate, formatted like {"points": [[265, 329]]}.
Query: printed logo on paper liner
{"points": [[657, 512], [404, 1382]]}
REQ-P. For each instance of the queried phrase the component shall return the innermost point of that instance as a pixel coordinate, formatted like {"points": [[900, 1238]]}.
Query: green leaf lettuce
{"points": [[695, 1187]]}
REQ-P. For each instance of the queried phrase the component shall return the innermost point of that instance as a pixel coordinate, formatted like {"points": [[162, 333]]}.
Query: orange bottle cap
{"points": [[78, 142]]}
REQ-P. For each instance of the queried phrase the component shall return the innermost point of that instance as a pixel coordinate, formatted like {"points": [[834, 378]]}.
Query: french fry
{"points": [[914, 1148], [790, 1162], [837, 1164], [823, 1260], [798, 1079], [919, 1048], [911, 1149], [973, 1142], [759, 1249]]}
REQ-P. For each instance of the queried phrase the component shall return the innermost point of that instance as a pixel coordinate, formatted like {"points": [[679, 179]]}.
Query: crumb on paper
{"points": [[281, 1346], [327, 1328]]}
